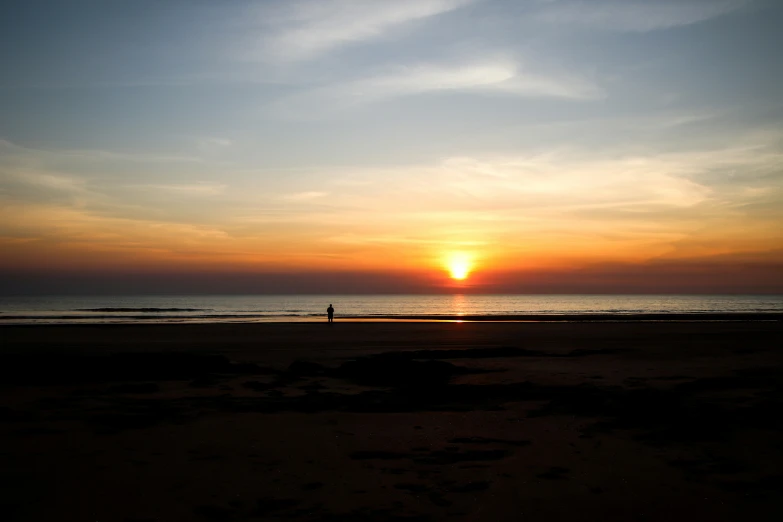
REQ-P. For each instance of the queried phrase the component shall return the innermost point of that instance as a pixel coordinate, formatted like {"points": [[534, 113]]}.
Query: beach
{"points": [[611, 420]]}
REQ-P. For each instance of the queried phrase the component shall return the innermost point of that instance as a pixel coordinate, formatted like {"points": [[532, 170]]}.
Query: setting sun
{"points": [[459, 266]]}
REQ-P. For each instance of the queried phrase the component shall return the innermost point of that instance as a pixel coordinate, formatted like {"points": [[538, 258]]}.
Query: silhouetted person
{"points": [[330, 313]]}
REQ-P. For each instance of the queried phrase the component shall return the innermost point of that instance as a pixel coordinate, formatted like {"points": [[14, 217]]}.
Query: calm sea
{"points": [[266, 308]]}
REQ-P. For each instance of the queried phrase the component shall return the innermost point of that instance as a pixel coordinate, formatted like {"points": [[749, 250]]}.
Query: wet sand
{"points": [[500, 421]]}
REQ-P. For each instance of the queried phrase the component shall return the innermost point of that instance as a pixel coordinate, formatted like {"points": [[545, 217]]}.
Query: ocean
{"points": [[283, 308]]}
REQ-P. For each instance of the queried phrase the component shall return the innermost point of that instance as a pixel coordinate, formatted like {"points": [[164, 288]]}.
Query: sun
{"points": [[459, 266]]}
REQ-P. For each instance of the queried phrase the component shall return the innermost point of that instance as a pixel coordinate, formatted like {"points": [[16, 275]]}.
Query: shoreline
{"points": [[33, 321], [575, 318]]}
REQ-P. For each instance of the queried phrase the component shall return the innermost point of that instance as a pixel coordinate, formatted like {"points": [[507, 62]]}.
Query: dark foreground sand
{"points": [[393, 421]]}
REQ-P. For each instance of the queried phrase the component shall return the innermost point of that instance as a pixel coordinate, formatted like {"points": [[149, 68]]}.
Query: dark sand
{"points": [[506, 421]]}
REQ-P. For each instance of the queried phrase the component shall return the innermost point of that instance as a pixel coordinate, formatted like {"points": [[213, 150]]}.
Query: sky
{"points": [[350, 146]]}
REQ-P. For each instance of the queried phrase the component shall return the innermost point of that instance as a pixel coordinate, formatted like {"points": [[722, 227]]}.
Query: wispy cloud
{"points": [[621, 189], [14, 151], [43, 180], [88, 181], [498, 76], [305, 29], [190, 189], [635, 15], [555, 183]]}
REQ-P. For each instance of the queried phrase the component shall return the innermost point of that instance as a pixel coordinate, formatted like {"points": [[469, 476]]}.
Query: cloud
{"points": [[44, 180], [498, 76], [556, 183], [14, 152], [488, 76], [191, 189], [635, 15], [622, 199], [106, 184], [31, 183], [305, 29]]}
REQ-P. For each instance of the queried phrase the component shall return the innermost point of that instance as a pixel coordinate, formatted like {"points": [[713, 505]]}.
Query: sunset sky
{"points": [[380, 145]]}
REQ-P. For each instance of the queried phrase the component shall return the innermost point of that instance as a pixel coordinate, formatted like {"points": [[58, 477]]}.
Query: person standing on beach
{"points": [[330, 313]]}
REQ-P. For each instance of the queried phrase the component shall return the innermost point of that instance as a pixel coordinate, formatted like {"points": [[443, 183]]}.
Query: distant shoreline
{"points": [[620, 317], [33, 321]]}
